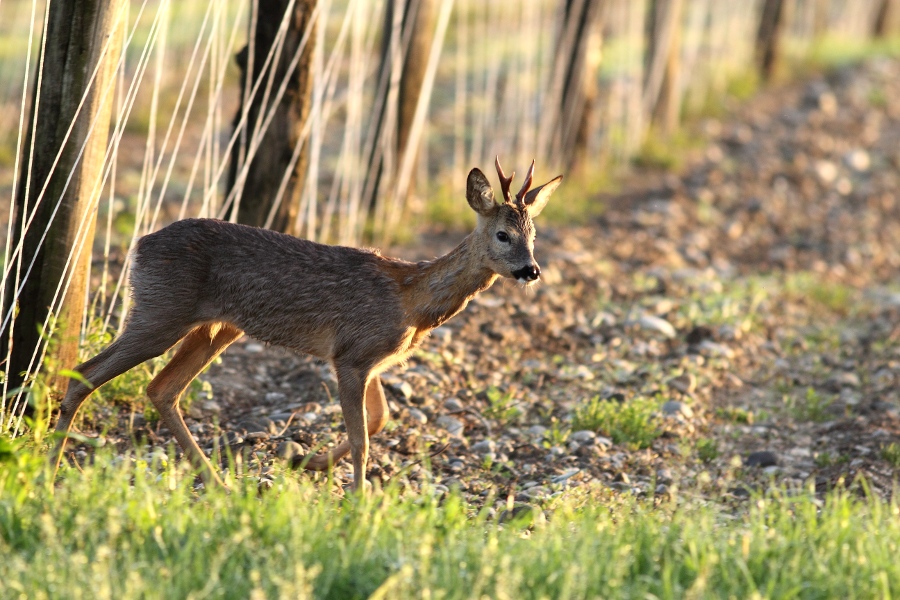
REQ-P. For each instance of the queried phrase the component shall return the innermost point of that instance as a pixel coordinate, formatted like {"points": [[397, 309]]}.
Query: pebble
{"points": [[451, 425], [844, 379], [442, 335], [761, 458], [858, 160], [664, 475], [402, 389], [253, 347], [674, 408], [257, 436], [656, 324], [526, 514], [602, 441], [583, 436], [484, 447], [537, 431], [535, 493], [565, 475], [276, 397], [453, 405], [715, 350], [288, 450], [418, 416]]}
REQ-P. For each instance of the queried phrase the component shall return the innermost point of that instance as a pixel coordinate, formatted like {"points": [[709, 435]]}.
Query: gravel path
{"points": [[714, 332]]}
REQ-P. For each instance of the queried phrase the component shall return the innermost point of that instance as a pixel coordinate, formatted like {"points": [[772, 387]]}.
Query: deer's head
{"points": [[505, 232]]}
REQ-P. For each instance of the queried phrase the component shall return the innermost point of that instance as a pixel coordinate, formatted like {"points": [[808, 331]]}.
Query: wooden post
{"points": [[662, 95], [768, 38], [80, 58], [409, 28], [256, 193], [574, 87], [885, 18]]}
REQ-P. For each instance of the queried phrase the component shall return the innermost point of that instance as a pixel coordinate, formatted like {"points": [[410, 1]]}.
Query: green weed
{"points": [[813, 406], [635, 422], [891, 454], [502, 406], [707, 449]]}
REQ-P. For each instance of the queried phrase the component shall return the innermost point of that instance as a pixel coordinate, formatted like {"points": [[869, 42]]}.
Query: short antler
{"points": [[520, 197], [504, 180]]}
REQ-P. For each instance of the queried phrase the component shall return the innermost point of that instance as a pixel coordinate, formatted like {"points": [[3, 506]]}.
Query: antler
{"points": [[504, 180], [520, 197]]}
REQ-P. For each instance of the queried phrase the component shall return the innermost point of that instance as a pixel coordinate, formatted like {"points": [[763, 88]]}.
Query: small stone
{"points": [[858, 160], [453, 405], [674, 408], [761, 458], [740, 491], [288, 450], [715, 350], [664, 476], [565, 475], [656, 324], [442, 335], [257, 436], [451, 425], [524, 514], [827, 171], [622, 477], [536, 431], [276, 397], [662, 489], [484, 447], [253, 347], [603, 442], [699, 334], [843, 379], [583, 436], [211, 407], [402, 389], [418, 416], [536, 493]]}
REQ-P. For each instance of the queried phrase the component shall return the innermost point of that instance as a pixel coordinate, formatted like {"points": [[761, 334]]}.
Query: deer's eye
{"points": [[502, 236]]}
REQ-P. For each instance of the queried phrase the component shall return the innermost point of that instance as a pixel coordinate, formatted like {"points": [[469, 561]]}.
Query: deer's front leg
{"points": [[351, 387]]}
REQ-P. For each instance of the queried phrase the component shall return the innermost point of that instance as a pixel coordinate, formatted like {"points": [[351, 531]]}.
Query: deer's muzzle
{"points": [[527, 273]]}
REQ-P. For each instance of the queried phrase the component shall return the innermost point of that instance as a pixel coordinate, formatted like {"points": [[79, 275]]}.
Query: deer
{"points": [[205, 283]]}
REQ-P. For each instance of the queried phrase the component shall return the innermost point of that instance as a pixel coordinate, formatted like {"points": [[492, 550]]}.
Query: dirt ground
{"points": [[728, 328]]}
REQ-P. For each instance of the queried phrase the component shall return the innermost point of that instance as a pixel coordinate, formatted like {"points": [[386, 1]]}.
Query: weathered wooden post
{"points": [[60, 183], [256, 192]]}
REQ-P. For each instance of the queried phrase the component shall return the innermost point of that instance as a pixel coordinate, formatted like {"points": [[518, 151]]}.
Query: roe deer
{"points": [[206, 282]]}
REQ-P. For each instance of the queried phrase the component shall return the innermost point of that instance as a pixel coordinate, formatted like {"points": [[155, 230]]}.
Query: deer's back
{"points": [[279, 289]]}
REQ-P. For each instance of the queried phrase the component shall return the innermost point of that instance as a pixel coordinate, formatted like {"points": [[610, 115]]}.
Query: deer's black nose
{"points": [[528, 273]]}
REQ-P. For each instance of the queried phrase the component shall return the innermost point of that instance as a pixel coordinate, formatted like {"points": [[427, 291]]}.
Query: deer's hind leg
{"points": [[198, 349], [135, 345]]}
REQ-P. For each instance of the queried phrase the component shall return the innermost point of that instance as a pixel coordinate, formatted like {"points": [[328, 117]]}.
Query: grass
{"points": [[123, 529], [634, 422]]}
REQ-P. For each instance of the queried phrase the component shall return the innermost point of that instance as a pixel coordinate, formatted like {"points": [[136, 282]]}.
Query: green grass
{"points": [[131, 530], [634, 422]]}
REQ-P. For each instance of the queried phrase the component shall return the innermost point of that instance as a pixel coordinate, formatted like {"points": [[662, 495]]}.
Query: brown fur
{"points": [[206, 282]]}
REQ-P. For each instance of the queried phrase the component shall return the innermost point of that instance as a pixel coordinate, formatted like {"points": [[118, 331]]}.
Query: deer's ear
{"points": [[536, 199], [479, 193]]}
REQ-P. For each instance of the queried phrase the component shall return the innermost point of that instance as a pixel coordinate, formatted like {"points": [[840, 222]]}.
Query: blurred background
{"points": [[345, 121]]}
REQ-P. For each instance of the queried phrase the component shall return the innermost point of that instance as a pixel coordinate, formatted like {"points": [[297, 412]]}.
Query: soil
{"points": [[743, 311]]}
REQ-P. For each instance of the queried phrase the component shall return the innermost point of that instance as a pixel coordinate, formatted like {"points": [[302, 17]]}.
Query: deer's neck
{"points": [[440, 288]]}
